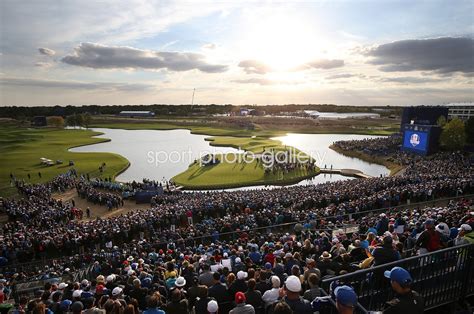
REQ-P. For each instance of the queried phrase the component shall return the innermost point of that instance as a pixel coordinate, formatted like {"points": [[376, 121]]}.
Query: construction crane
{"points": [[192, 100]]}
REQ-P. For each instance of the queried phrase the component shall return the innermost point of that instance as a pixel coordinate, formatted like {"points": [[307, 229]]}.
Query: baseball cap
{"points": [[212, 306], [293, 284], [399, 275], [65, 304], [62, 286], [241, 274], [239, 297], [465, 228], [346, 296], [77, 293], [268, 265], [275, 282], [117, 291]]}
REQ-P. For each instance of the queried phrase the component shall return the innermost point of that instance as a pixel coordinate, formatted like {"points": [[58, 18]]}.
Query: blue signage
{"points": [[415, 140]]}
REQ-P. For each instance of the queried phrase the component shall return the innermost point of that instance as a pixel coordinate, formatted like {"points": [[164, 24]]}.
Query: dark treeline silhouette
{"points": [[19, 112]]}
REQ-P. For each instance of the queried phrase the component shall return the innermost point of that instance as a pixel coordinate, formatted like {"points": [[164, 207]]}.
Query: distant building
{"points": [[462, 111], [133, 114], [39, 121], [245, 111]]}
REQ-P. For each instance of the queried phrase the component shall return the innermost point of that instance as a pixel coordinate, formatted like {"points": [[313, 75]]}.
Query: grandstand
{"points": [[322, 247]]}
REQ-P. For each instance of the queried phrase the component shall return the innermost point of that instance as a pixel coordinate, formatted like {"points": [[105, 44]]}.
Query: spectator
{"points": [[346, 299], [406, 300], [241, 307]]}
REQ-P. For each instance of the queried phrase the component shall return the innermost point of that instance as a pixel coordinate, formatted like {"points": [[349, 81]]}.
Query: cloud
{"points": [[260, 81], [325, 64], [43, 64], [264, 82], [98, 56], [47, 51], [254, 67], [74, 85], [442, 55], [209, 46], [340, 76], [410, 79]]}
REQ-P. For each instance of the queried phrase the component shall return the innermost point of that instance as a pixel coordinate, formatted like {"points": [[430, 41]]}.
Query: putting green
{"points": [[22, 148], [235, 174], [230, 173]]}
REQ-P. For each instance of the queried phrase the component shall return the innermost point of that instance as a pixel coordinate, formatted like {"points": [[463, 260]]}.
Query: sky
{"points": [[58, 52]]}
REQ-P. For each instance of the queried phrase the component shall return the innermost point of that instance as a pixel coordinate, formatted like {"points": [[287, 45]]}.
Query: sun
{"points": [[281, 42]]}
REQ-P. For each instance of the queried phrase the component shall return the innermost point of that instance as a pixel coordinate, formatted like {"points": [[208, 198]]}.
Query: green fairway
{"points": [[22, 148]]}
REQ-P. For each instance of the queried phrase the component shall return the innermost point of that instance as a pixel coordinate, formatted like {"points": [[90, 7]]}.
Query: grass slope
{"points": [[21, 149]]}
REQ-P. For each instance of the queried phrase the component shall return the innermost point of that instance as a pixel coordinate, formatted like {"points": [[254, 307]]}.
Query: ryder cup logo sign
{"points": [[414, 139]]}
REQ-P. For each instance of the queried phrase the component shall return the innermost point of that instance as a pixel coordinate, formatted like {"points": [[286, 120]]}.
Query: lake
{"points": [[162, 154]]}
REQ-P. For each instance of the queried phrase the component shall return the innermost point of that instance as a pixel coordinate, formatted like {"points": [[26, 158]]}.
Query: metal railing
{"points": [[441, 277]]}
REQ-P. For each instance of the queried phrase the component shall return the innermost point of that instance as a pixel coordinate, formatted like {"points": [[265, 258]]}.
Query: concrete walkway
{"points": [[346, 172]]}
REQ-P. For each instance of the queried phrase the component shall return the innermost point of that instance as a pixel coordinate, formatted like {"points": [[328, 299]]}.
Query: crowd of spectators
{"points": [[231, 250], [86, 190]]}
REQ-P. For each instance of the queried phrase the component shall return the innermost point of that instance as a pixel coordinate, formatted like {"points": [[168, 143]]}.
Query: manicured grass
{"points": [[22, 148], [230, 173], [252, 144], [195, 129], [235, 174]]}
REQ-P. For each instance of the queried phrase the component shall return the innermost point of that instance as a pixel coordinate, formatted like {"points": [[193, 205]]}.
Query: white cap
{"points": [[110, 278], [241, 275], [77, 293], [465, 228], [62, 286], [275, 282], [238, 260], [117, 291], [212, 306], [293, 284], [85, 283]]}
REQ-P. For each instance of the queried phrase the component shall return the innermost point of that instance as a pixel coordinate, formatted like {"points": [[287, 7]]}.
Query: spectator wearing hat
{"points": [[465, 235], [346, 299], [429, 240], [239, 285], [406, 300], [212, 307], [292, 296], [325, 264], [385, 253], [240, 306], [271, 296], [117, 293]]}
